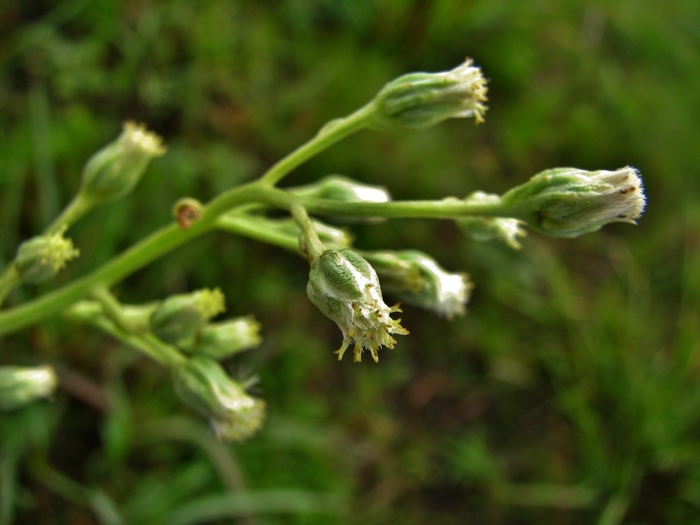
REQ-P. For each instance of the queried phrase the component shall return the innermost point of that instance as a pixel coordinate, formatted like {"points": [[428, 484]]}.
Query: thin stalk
{"points": [[9, 280], [78, 207], [256, 229], [328, 135], [312, 244], [442, 209]]}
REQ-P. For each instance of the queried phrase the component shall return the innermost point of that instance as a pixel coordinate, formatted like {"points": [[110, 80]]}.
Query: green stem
{"points": [[78, 207], [328, 135], [256, 229], [442, 209], [113, 309], [312, 245], [9, 280]]}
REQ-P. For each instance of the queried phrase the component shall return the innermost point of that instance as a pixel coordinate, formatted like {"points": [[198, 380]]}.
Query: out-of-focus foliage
{"points": [[568, 394]]}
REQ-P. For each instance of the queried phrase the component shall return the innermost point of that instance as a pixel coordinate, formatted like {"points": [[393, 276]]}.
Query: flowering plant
{"points": [[345, 283]]}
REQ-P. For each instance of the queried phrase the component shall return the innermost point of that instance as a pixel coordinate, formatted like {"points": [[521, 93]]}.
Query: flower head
{"points": [[346, 289], [568, 202], [221, 340], [181, 317], [114, 171], [21, 385], [202, 384], [418, 280], [421, 100], [40, 258]]}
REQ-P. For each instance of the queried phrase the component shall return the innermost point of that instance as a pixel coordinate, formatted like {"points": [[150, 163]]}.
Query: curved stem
{"points": [[9, 280], [312, 245], [78, 207], [328, 135]]}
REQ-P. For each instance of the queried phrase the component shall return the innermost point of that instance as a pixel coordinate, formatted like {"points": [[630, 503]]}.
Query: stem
{"points": [[112, 309], [328, 135], [9, 280], [139, 255], [312, 245], [78, 207], [442, 209], [258, 230]]}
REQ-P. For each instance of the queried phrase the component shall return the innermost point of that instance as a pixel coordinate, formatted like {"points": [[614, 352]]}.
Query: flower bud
{"points": [[203, 385], [568, 202], [40, 258], [484, 229], [346, 289], [180, 317], [20, 386], [222, 340], [418, 280], [114, 171], [422, 100], [344, 189]]}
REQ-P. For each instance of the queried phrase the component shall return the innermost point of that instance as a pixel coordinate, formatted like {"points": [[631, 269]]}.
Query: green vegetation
{"points": [[567, 394]]}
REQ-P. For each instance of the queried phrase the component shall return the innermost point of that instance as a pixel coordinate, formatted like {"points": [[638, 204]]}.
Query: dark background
{"points": [[567, 395]]}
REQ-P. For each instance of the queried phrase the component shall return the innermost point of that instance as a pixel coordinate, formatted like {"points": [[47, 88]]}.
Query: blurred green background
{"points": [[568, 394]]}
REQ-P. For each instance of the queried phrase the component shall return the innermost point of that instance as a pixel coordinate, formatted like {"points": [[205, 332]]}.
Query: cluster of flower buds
{"points": [[203, 385], [40, 258], [116, 169], [21, 385], [422, 100], [346, 289], [418, 280], [568, 202]]}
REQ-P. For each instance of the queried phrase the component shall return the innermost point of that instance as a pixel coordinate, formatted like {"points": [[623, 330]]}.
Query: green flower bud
{"points": [[418, 280], [344, 189], [203, 385], [568, 202], [422, 100], [346, 289], [180, 317], [40, 258], [222, 340], [114, 171], [484, 229], [20, 386]]}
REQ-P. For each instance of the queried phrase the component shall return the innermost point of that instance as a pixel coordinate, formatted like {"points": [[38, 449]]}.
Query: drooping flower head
{"points": [[418, 279], [346, 289], [204, 385]]}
